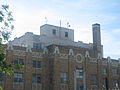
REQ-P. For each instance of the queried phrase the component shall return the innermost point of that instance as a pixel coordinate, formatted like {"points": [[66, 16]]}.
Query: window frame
{"points": [[37, 45], [36, 64], [104, 71], [18, 61], [35, 78], [66, 34], [54, 32], [114, 71], [79, 73], [94, 79], [18, 78], [1, 77], [63, 77]]}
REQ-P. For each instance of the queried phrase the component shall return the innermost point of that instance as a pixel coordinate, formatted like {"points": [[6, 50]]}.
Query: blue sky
{"points": [[29, 15]]}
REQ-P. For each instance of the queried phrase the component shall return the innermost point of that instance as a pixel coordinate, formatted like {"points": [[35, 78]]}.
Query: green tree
{"points": [[6, 27]]}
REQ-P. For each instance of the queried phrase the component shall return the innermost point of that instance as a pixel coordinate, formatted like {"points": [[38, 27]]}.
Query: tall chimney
{"points": [[97, 39], [96, 34]]}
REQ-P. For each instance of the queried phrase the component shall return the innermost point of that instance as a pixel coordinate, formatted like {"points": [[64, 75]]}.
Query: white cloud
{"points": [[116, 30], [81, 14], [111, 44]]}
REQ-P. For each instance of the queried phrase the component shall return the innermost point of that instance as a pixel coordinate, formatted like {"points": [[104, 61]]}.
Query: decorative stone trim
{"points": [[18, 52], [104, 62], [45, 51], [56, 50], [71, 52], [109, 59], [37, 54], [28, 49], [99, 56], [64, 56], [87, 54], [79, 58], [115, 64], [10, 46], [93, 60]]}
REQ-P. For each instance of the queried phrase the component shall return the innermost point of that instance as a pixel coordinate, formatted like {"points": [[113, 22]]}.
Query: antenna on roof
{"points": [[68, 25], [46, 20], [60, 23]]}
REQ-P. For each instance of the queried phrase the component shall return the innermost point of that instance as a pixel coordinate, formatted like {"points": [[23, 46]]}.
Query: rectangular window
{"points": [[63, 77], [79, 73], [79, 86], [36, 78], [116, 83], [105, 83], [104, 71], [18, 77], [54, 32], [37, 45], [36, 64], [94, 79], [115, 71], [18, 61], [1, 76], [66, 34]]}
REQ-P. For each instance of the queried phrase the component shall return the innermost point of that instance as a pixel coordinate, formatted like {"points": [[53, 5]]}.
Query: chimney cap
{"points": [[96, 24]]}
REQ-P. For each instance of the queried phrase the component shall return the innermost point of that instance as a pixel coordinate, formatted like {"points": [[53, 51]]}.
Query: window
{"points": [[37, 45], [54, 32], [1, 76], [63, 77], [114, 71], [79, 73], [66, 34], [36, 78], [79, 86], [104, 71], [36, 64], [18, 61], [105, 83], [94, 79], [116, 83], [18, 77]]}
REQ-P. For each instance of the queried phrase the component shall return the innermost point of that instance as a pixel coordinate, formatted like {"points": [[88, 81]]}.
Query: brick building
{"points": [[54, 61]]}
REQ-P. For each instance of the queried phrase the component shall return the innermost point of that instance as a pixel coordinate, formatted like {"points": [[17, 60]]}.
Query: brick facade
{"points": [[96, 73]]}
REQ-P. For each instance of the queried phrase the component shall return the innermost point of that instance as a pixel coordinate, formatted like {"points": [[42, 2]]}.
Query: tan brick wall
{"points": [[55, 63]]}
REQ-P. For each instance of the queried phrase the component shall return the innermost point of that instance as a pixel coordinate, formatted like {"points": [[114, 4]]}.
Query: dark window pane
{"points": [[79, 73], [1, 76], [18, 61], [94, 79], [116, 83], [36, 78], [36, 64], [114, 71], [66, 34], [18, 77], [54, 32], [104, 71], [37, 45], [63, 77]]}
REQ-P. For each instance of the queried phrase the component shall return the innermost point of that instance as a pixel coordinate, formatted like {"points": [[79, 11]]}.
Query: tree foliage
{"points": [[6, 27], [6, 19]]}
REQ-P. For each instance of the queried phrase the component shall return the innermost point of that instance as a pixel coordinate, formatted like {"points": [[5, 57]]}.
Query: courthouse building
{"points": [[54, 61]]}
